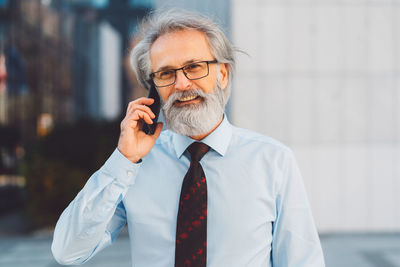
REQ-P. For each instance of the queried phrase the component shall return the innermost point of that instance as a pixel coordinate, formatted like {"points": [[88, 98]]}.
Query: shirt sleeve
{"points": [[95, 217], [295, 240]]}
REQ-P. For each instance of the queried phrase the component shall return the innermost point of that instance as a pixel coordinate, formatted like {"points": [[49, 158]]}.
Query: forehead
{"points": [[179, 47]]}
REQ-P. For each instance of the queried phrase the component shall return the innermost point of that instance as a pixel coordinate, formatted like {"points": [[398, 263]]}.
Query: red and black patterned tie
{"points": [[191, 228]]}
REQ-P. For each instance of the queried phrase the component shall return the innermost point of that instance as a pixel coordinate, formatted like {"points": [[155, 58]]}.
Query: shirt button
{"points": [[129, 173]]}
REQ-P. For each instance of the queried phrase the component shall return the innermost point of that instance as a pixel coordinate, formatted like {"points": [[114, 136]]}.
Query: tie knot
{"points": [[197, 150]]}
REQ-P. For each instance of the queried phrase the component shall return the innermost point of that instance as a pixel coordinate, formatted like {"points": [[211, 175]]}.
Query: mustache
{"points": [[167, 105], [187, 93]]}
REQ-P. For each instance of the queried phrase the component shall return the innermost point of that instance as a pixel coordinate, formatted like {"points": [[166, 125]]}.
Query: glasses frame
{"points": [[184, 73]]}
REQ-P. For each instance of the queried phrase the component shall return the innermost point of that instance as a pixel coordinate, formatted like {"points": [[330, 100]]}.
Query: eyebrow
{"points": [[169, 67]]}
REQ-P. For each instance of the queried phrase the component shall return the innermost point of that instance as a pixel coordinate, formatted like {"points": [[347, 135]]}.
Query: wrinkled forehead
{"points": [[177, 48]]}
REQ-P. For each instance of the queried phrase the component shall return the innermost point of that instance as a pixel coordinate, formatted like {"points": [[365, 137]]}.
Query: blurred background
{"points": [[321, 76]]}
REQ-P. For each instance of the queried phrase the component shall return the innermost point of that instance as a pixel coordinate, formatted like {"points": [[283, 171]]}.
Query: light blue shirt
{"points": [[258, 212]]}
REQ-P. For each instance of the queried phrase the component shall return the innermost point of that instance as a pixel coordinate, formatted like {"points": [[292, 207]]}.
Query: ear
{"points": [[223, 74]]}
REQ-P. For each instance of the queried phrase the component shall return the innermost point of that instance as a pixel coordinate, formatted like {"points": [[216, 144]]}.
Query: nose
{"points": [[182, 82]]}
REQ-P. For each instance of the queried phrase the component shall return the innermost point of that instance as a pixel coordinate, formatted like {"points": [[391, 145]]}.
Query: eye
{"points": [[165, 74], [193, 67]]}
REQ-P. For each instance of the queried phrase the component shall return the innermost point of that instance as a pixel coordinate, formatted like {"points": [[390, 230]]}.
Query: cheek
{"points": [[209, 86], [211, 83], [206, 85], [164, 94]]}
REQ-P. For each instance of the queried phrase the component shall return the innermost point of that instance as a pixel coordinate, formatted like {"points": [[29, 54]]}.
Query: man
{"points": [[203, 192]]}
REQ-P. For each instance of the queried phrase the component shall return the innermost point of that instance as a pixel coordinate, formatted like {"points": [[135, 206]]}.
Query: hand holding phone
{"points": [[134, 143]]}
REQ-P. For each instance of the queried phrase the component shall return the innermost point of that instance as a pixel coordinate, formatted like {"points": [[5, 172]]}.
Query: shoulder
{"points": [[263, 153], [245, 137], [260, 149]]}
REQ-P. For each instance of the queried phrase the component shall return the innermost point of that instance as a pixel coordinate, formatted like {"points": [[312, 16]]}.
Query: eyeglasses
{"points": [[192, 71]]}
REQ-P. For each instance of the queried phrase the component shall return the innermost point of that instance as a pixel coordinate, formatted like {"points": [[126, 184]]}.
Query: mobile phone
{"points": [[155, 107]]}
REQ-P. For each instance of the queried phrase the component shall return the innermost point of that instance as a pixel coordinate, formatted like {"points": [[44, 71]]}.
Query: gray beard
{"points": [[195, 119]]}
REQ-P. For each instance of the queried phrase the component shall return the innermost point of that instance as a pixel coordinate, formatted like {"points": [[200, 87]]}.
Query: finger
{"points": [[139, 101], [142, 108], [138, 114], [157, 132]]}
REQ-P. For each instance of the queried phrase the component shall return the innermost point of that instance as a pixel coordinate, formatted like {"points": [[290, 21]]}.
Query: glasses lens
{"points": [[196, 70], [164, 78]]}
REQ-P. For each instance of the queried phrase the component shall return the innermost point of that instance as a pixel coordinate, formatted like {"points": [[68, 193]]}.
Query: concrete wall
{"points": [[323, 78]]}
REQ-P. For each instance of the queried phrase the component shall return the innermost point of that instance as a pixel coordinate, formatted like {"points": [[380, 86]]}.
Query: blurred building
{"points": [[64, 60], [102, 40]]}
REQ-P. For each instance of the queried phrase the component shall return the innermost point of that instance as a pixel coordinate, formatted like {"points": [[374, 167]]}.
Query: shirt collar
{"points": [[218, 140]]}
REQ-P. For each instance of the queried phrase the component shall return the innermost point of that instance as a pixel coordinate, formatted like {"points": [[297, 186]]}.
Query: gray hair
{"points": [[160, 23]]}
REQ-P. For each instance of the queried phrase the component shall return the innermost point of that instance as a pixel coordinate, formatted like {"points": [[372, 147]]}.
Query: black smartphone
{"points": [[155, 107]]}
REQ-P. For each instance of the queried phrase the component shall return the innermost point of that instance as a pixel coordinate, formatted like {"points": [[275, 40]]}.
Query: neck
{"points": [[202, 136]]}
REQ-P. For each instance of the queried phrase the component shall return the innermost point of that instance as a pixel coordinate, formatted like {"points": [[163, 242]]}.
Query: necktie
{"points": [[191, 229]]}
